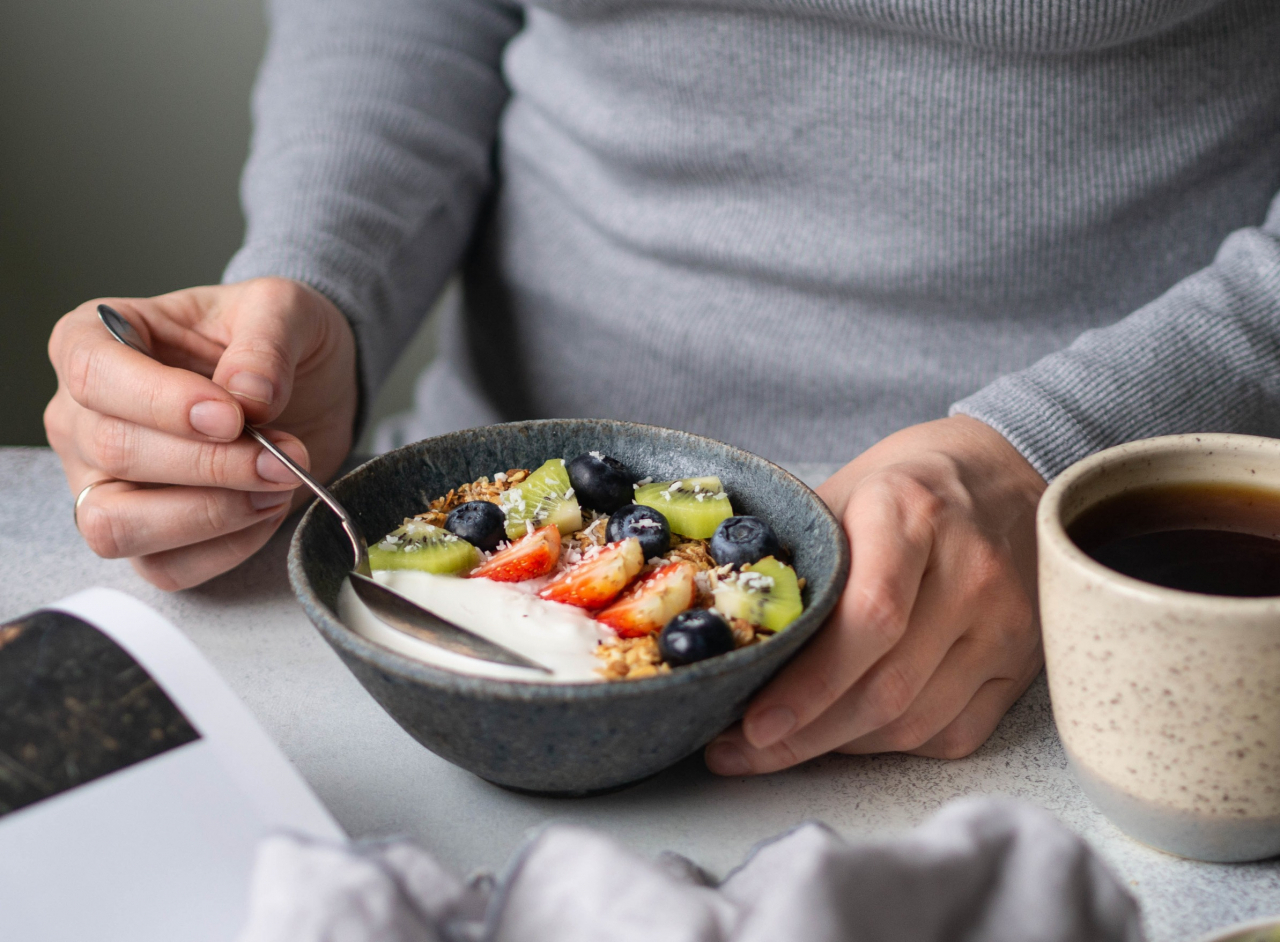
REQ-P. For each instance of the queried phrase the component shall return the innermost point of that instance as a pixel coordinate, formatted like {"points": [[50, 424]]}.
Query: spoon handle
{"points": [[348, 522]]}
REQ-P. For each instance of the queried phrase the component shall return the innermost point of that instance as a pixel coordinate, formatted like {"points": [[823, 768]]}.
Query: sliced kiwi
{"points": [[693, 507], [542, 499], [418, 545], [765, 593]]}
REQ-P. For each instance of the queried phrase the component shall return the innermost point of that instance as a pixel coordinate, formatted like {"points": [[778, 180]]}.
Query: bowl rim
{"points": [[392, 662]]}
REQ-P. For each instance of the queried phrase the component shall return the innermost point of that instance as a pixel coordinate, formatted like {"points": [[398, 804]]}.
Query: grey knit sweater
{"points": [[795, 226]]}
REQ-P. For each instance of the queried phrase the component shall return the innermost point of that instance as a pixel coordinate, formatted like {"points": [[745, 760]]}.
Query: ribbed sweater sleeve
{"points": [[374, 127], [1202, 357]]}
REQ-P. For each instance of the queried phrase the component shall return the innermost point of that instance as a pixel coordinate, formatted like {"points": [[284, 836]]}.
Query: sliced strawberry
{"points": [[534, 554], [655, 599], [597, 580]]}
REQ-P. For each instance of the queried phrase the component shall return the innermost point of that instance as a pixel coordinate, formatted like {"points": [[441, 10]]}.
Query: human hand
{"points": [[188, 497], [936, 633]]}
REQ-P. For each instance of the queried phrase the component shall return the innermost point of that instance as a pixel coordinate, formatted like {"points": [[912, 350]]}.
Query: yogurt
{"points": [[560, 637]]}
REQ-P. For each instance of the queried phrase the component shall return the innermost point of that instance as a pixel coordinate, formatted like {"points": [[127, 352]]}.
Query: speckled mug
{"points": [[1167, 702]]}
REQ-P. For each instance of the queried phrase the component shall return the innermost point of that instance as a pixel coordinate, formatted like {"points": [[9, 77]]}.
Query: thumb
{"points": [[257, 367]]}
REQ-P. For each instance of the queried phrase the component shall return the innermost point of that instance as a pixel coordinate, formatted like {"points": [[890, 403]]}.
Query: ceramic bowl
{"points": [[569, 739]]}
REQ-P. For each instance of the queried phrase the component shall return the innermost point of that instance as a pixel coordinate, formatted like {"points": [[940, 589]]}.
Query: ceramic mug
{"points": [[1167, 702]]}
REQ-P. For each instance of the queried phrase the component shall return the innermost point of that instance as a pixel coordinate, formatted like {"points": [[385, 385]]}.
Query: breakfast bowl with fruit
{"points": [[656, 577]]}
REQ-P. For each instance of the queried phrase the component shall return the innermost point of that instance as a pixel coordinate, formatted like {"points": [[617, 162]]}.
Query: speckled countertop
{"points": [[378, 781]]}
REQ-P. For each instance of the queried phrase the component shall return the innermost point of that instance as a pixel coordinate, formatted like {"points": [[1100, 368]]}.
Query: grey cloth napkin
{"points": [[981, 870]]}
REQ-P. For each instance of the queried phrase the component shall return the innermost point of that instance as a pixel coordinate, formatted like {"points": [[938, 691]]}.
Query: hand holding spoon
{"points": [[390, 607]]}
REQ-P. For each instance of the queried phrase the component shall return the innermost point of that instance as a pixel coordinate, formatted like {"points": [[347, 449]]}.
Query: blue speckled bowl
{"points": [[556, 738]]}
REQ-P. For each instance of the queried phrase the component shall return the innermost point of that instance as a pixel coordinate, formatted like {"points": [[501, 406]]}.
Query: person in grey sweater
{"points": [[956, 245]]}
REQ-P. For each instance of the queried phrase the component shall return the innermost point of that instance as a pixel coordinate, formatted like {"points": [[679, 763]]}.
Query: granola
{"points": [[630, 659], [693, 551], [479, 489], [579, 545]]}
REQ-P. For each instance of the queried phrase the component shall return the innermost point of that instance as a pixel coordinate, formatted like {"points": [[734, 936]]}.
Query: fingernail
{"points": [[271, 469], [726, 759], [265, 500], [770, 726], [251, 386], [220, 420]]}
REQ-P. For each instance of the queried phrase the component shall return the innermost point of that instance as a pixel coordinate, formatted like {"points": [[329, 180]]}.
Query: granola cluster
{"points": [[691, 551], [630, 658], [577, 546], [479, 489]]}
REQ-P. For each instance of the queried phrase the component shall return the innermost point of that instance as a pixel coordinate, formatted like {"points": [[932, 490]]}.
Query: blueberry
{"points": [[645, 524], [741, 540], [600, 482], [478, 522], [694, 635]]}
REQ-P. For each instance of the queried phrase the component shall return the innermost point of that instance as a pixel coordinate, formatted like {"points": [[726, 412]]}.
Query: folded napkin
{"points": [[981, 870]]}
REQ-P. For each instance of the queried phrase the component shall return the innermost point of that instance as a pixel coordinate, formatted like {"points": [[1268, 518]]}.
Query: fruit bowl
{"points": [[556, 738]]}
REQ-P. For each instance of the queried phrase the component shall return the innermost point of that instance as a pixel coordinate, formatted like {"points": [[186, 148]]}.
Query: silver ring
{"points": [[84, 492]]}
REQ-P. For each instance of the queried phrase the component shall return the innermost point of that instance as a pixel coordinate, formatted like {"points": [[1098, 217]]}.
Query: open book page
{"points": [[134, 785]]}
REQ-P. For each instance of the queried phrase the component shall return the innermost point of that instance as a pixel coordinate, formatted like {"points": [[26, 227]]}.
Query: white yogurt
{"points": [[560, 637]]}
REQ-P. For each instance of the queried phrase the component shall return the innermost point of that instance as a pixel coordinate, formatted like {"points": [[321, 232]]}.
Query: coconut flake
{"points": [[755, 581]]}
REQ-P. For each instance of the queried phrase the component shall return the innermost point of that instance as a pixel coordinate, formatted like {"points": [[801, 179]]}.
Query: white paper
{"points": [[162, 849]]}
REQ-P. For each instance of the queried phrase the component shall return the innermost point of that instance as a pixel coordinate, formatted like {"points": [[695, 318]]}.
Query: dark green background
{"points": [[124, 125]]}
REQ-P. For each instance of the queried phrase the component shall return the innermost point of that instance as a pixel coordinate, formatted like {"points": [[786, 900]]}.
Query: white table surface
{"points": [[377, 781]]}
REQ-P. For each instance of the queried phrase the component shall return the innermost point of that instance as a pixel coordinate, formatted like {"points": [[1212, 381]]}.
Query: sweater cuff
{"points": [[1048, 435]]}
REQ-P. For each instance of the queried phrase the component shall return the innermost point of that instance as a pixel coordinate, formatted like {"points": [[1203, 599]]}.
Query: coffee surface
{"points": [[1217, 539]]}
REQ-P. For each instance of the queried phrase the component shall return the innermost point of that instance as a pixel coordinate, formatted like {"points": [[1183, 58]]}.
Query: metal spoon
{"points": [[391, 607]]}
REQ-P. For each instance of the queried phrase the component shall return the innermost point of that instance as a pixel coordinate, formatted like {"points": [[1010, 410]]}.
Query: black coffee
{"points": [[1218, 539]]}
